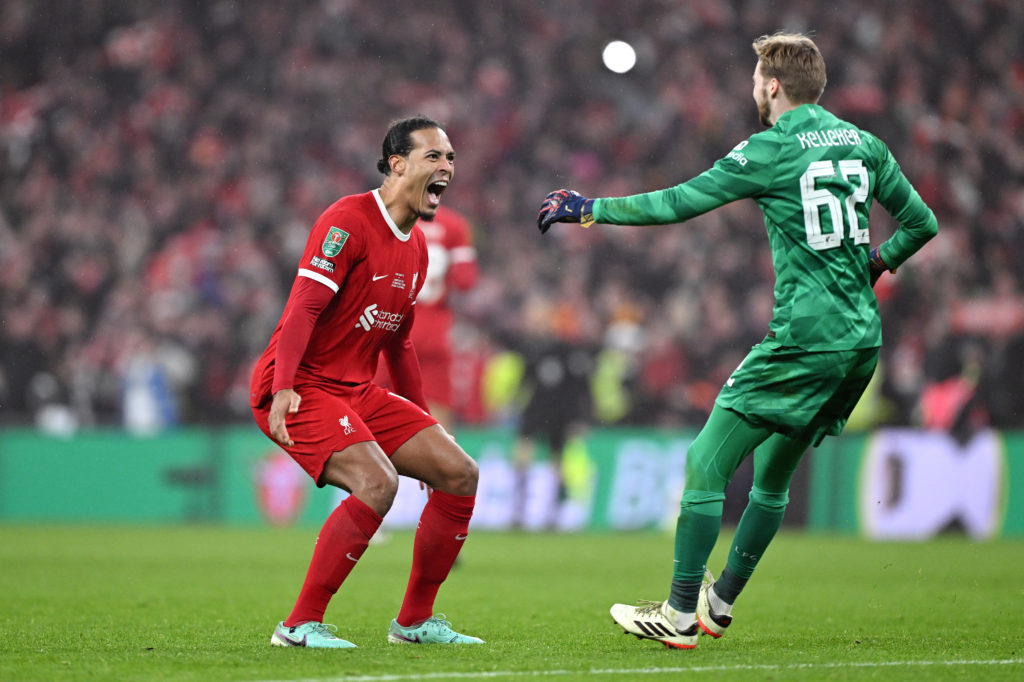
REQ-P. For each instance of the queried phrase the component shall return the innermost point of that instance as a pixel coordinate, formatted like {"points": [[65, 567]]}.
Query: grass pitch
{"points": [[200, 603]]}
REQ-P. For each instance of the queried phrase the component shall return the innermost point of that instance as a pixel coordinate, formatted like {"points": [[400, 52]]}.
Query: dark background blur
{"points": [[161, 163]]}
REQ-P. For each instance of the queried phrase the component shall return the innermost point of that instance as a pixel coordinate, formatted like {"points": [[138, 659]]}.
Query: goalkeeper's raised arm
{"points": [[745, 172]]}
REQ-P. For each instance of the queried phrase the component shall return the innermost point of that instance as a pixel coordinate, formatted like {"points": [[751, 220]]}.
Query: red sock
{"points": [[341, 542], [443, 527]]}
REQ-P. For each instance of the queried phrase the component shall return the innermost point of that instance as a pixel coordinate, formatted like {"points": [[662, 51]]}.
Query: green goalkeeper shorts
{"points": [[805, 396]]}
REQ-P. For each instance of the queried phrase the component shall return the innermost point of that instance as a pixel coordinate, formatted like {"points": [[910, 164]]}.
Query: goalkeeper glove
{"points": [[876, 265], [565, 206]]}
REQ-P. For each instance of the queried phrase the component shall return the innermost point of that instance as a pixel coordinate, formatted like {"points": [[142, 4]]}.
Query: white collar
{"points": [[402, 236]]}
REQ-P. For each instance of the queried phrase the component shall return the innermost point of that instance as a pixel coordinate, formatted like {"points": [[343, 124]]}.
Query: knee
{"points": [[378, 490], [462, 477], [701, 500], [769, 500], [468, 476]]}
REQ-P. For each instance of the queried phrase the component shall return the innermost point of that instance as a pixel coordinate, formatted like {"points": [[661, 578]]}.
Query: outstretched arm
{"points": [[719, 185]]}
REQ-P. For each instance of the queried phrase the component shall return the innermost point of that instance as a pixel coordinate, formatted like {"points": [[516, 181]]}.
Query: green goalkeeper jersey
{"points": [[814, 177]]}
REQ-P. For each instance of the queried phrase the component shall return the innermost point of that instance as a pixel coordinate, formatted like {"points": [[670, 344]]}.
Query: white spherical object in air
{"points": [[619, 56]]}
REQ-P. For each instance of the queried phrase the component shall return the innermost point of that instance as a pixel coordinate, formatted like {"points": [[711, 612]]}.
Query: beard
{"points": [[764, 110]]}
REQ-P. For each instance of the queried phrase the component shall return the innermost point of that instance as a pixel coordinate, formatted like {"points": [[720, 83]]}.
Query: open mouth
{"points": [[434, 192]]}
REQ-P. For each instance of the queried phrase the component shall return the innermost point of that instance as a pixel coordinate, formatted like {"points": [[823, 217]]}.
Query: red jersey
{"points": [[452, 265], [375, 272]]}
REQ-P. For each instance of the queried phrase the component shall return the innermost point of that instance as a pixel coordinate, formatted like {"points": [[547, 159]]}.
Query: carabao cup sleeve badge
{"points": [[333, 242]]}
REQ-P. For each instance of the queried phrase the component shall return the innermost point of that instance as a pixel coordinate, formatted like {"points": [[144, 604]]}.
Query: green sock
{"points": [[758, 525], [683, 596], [728, 586], [696, 532]]}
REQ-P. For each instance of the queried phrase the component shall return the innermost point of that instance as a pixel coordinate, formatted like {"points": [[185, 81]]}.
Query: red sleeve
{"points": [[463, 275], [463, 272], [308, 298], [403, 365]]}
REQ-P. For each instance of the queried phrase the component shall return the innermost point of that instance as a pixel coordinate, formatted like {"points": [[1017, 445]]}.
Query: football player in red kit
{"points": [[352, 302]]}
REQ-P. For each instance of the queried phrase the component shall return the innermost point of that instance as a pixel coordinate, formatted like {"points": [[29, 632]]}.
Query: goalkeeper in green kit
{"points": [[814, 177]]}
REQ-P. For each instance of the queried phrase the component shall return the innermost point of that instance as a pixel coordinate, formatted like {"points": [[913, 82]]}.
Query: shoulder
{"points": [[765, 141], [350, 214], [757, 151], [873, 142], [354, 209], [343, 228]]}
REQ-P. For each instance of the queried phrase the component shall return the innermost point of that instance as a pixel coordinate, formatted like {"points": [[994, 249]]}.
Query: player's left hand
{"points": [[565, 206], [877, 265]]}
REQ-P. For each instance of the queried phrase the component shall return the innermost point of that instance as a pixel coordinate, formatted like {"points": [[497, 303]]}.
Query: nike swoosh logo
{"points": [[294, 642], [376, 277], [348, 555], [461, 537]]}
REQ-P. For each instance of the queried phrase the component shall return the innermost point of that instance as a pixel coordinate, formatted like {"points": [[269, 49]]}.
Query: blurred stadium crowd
{"points": [[161, 162]]}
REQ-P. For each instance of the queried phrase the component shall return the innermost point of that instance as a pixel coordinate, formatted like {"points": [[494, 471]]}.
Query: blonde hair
{"points": [[795, 61]]}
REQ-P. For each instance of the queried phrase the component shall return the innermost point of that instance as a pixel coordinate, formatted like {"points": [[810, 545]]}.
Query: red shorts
{"points": [[329, 420]]}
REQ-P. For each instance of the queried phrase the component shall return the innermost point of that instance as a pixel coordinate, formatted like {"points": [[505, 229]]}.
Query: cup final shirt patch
{"points": [[333, 242]]}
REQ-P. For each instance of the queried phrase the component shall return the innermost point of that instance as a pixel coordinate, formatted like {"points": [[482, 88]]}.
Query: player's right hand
{"points": [[286, 401], [565, 206]]}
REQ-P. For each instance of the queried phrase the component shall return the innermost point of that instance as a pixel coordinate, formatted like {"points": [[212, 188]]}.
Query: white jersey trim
{"points": [[317, 277], [402, 236], [463, 254]]}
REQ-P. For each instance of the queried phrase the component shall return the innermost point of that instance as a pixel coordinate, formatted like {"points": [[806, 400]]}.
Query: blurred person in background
{"points": [[353, 300], [814, 176], [558, 362]]}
